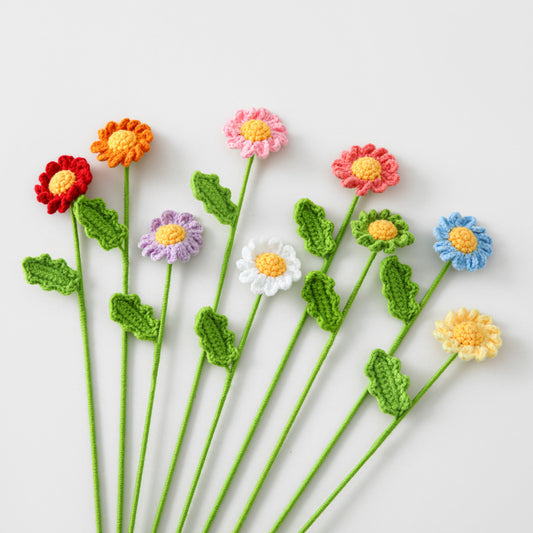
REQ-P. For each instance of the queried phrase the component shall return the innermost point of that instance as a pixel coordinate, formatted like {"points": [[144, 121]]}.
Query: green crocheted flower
{"points": [[381, 231]]}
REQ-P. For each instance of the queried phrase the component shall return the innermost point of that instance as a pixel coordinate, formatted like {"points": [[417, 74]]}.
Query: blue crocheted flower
{"points": [[462, 242]]}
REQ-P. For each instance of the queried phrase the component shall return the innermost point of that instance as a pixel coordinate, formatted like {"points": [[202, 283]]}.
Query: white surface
{"points": [[446, 87]]}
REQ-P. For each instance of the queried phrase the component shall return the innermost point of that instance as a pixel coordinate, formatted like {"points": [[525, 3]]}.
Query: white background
{"points": [[445, 86]]}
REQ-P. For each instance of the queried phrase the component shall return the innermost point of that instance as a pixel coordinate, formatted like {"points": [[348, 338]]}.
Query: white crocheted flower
{"points": [[269, 266]]}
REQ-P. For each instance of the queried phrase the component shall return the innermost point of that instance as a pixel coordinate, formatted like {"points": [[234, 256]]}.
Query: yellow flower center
{"points": [[366, 168], [61, 181], [170, 234], [270, 264], [468, 334], [463, 240], [382, 230], [122, 140], [255, 130]]}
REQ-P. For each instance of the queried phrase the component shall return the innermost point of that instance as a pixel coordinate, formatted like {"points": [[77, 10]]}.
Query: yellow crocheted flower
{"points": [[123, 143], [471, 335]]}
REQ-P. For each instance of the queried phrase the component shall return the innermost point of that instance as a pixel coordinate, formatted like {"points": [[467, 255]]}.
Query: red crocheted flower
{"points": [[366, 168], [62, 182]]}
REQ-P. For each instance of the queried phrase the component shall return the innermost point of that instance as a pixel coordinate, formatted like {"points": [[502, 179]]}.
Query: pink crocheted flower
{"points": [[256, 131], [366, 168]]}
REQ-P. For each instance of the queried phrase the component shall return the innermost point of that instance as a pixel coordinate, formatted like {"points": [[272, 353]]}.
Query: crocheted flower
{"points": [[462, 242], [381, 231], [174, 235], [269, 266], [256, 131], [123, 143], [62, 182], [366, 168], [471, 335]]}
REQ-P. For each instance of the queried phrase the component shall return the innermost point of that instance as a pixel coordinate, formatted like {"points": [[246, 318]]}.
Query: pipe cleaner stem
{"points": [[395, 345], [303, 396], [124, 357], [148, 418], [320, 461], [201, 361], [222, 401], [275, 379], [377, 444], [88, 378], [231, 239], [423, 303]]}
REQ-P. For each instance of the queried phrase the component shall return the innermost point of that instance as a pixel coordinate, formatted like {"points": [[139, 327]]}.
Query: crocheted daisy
{"points": [[462, 242], [123, 143], [176, 236], [381, 231], [62, 182], [366, 168], [268, 265], [471, 335], [256, 131]]}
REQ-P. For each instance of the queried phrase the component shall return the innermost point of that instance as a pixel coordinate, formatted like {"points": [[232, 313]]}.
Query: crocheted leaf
{"points": [[322, 300], [216, 199], [51, 274], [216, 339], [387, 383], [99, 222], [398, 288], [314, 228], [133, 316]]}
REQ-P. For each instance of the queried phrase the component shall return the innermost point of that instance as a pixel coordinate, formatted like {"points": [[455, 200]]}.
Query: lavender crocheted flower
{"points": [[174, 235]]}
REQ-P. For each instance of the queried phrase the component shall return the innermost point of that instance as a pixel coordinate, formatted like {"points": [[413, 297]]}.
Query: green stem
{"points": [[355, 408], [319, 463], [168, 481], [376, 445], [302, 397], [148, 418], [423, 303], [231, 239], [201, 361], [222, 401], [275, 379], [124, 358], [88, 378]]}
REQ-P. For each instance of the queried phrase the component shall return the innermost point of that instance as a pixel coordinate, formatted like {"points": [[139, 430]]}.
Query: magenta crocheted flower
{"points": [[366, 168], [174, 235], [255, 132]]}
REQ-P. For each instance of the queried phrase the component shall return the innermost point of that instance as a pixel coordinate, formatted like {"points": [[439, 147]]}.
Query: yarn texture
{"points": [[216, 339], [122, 143], [51, 274], [133, 316], [387, 384], [314, 228], [381, 232], [398, 288], [216, 199], [99, 222], [322, 300]]}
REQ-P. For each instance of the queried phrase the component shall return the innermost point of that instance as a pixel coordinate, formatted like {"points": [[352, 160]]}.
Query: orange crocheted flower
{"points": [[123, 143]]}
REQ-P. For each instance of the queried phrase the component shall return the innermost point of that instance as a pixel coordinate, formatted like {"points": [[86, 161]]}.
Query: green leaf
{"points": [[398, 288], [216, 199], [99, 222], [387, 383], [216, 339], [322, 300], [51, 274], [133, 316], [314, 228]]}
